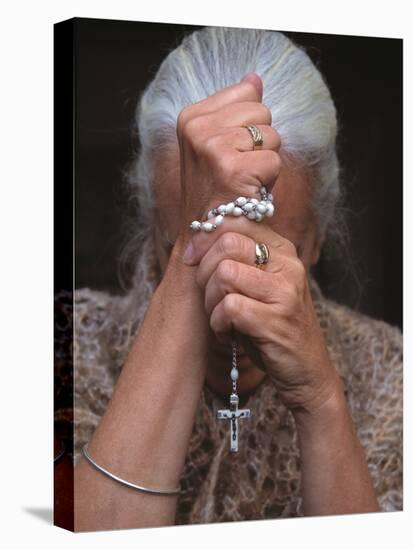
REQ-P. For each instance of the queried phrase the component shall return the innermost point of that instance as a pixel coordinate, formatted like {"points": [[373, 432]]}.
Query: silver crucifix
{"points": [[232, 414]]}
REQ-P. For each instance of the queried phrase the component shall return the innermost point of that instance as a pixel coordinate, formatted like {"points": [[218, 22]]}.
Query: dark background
{"points": [[116, 59]]}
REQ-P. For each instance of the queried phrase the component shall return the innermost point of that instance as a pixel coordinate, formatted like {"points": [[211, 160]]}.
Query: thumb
{"points": [[256, 81]]}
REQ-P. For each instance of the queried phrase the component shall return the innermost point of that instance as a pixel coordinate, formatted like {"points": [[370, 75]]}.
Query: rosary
{"points": [[233, 413], [254, 210]]}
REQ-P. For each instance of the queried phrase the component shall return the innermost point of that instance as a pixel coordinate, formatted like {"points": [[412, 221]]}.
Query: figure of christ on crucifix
{"points": [[232, 414]]}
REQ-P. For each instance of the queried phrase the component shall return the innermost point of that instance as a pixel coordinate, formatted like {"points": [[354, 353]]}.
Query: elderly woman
{"points": [[214, 390]]}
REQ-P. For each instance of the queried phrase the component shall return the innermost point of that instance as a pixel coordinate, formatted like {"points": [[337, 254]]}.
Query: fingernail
{"points": [[189, 254], [250, 77]]}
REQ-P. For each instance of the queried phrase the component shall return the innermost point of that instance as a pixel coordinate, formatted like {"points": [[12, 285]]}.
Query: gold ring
{"points": [[256, 135], [262, 255]]}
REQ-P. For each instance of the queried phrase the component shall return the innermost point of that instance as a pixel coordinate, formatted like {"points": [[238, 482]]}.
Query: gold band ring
{"points": [[255, 133], [262, 255]]}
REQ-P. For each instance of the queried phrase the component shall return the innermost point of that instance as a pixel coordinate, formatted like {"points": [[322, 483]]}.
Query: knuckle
{"points": [[297, 276], [276, 159], [299, 270], [191, 127], [227, 271], [289, 248], [230, 243], [226, 168], [266, 112], [211, 147], [293, 287], [231, 304]]}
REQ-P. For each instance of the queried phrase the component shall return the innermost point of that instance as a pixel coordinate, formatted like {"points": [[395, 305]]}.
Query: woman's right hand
{"points": [[217, 160]]}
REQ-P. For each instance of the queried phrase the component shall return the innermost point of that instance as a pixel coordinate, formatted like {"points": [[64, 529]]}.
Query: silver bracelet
{"points": [[128, 483]]}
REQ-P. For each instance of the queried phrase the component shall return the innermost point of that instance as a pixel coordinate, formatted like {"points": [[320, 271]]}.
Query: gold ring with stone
{"points": [[256, 135], [262, 255]]}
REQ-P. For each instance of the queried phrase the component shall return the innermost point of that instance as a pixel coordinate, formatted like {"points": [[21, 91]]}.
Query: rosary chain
{"points": [[234, 371]]}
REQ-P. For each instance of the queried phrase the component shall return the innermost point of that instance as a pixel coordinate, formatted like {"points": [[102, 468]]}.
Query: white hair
{"points": [[212, 58]]}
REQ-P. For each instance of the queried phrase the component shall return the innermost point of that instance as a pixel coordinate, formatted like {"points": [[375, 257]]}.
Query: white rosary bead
{"points": [[254, 201], [241, 201], [219, 219], [207, 226], [237, 211], [258, 217], [251, 215], [234, 374], [210, 214], [270, 210], [195, 226], [222, 209], [229, 208], [248, 207], [262, 207]]}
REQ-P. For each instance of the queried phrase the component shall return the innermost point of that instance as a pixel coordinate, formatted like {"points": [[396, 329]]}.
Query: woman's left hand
{"points": [[272, 308]]}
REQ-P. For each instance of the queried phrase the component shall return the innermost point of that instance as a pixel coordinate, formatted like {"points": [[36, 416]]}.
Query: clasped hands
{"points": [[272, 308]]}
